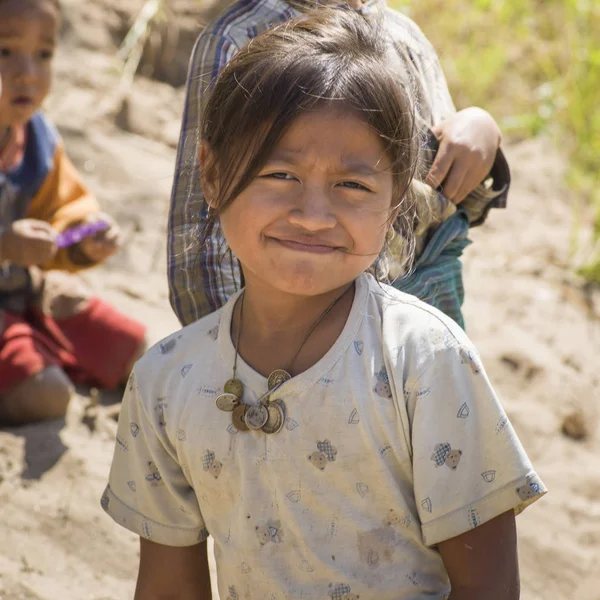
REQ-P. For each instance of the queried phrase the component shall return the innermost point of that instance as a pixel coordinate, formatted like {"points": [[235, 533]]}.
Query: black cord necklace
{"points": [[267, 415]]}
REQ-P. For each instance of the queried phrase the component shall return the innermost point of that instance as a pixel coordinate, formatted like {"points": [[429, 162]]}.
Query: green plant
{"points": [[535, 65]]}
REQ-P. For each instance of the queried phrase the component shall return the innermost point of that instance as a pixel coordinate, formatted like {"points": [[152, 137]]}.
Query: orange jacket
{"points": [[49, 187]]}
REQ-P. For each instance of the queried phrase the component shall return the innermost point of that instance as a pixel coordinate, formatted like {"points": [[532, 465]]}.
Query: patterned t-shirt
{"points": [[393, 442]]}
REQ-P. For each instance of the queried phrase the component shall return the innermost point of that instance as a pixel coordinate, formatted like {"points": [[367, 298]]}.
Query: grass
{"points": [[535, 65]]}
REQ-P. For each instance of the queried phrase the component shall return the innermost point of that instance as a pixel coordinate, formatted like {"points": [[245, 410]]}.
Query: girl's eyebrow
{"points": [[348, 165], [285, 155], [359, 167]]}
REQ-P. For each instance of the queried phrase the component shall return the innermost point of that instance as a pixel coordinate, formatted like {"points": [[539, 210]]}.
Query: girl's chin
{"points": [[21, 116], [305, 282]]}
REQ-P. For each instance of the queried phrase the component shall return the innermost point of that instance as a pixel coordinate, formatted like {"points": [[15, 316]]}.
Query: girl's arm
{"points": [[173, 573], [482, 564]]}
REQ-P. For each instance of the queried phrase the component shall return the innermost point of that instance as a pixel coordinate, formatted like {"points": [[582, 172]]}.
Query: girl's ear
{"points": [[207, 174]]}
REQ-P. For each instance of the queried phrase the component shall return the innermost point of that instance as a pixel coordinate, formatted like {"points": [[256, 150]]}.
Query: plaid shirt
{"points": [[202, 279]]}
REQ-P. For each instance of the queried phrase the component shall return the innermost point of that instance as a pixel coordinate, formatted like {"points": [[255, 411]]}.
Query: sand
{"points": [[536, 324]]}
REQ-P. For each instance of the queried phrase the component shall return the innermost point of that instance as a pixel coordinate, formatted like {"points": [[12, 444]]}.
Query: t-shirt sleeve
{"points": [[468, 464], [148, 493]]}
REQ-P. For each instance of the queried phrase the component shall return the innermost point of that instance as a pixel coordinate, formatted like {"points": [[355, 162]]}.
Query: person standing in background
{"points": [[468, 176]]}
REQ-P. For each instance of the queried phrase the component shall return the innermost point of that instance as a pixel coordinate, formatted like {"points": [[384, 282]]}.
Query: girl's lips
{"points": [[22, 100], [304, 247]]}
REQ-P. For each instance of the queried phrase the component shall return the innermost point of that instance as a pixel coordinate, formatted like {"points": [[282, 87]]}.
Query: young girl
{"points": [[339, 439]]}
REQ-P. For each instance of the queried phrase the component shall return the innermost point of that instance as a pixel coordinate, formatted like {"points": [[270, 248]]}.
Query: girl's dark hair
{"points": [[55, 3], [328, 57]]}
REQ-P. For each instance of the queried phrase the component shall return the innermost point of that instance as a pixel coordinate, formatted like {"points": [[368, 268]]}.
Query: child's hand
{"points": [[103, 244], [28, 242], [468, 144]]}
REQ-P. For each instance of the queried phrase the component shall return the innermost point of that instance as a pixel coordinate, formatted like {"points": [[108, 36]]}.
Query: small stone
{"points": [[574, 426], [94, 396]]}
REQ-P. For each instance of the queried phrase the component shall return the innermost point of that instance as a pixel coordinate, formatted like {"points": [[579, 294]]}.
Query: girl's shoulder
{"points": [[174, 354], [411, 328], [407, 310]]}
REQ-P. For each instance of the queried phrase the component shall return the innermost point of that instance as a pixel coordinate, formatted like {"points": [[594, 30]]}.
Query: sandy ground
{"points": [[536, 324]]}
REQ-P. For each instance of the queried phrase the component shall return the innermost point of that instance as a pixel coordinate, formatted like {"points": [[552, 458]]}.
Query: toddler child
{"points": [[338, 438], [469, 152], [52, 332]]}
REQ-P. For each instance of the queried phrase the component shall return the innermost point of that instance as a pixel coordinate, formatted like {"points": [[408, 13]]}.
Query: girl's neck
{"points": [[278, 330], [270, 313]]}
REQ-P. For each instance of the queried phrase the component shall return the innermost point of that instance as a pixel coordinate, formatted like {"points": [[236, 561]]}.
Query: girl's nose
{"points": [[313, 211], [24, 70]]}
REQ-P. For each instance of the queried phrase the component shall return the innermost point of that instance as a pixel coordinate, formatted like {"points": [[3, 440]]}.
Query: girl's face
{"points": [[316, 215], [28, 33]]}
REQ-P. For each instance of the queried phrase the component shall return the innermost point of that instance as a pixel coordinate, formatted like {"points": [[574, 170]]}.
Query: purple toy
{"points": [[77, 233]]}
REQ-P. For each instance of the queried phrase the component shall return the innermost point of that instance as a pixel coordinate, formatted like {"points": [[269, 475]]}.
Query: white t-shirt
{"points": [[393, 442]]}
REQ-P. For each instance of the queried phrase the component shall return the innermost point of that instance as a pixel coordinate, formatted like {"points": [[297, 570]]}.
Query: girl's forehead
{"points": [[330, 132], [331, 115], [17, 16]]}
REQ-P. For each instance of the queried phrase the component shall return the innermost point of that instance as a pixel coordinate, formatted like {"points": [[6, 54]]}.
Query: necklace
{"points": [[267, 415]]}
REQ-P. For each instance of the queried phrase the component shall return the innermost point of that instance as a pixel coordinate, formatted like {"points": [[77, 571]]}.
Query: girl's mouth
{"points": [[314, 248], [22, 101]]}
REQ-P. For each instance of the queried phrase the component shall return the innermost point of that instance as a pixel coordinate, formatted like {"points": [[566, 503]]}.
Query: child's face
{"points": [[28, 33], [316, 215]]}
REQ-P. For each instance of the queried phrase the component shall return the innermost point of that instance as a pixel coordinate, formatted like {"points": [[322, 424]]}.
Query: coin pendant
{"points": [[238, 417], [227, 402], [277, 377], [276, 418], [256, 416], [235, 387]]}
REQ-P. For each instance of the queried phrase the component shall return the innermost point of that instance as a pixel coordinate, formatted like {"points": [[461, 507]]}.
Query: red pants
{"points": [[94, 347]]}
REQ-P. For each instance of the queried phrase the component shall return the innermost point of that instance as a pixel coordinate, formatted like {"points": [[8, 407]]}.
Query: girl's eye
{"points": [[46, 54], [280, 175], [4, 52], [354, 185]]}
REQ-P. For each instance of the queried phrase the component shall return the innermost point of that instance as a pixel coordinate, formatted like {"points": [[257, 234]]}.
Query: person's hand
{"points": [[28, 242], [469, 141], [103, 244]]}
